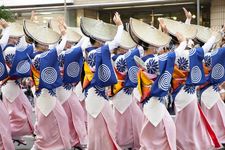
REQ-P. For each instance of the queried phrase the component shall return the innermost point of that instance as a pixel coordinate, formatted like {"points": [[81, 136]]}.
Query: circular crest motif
{"points": [[196, 74], [192, 51], [2, 69], [49, 75], [217, 71], [164, 81], [73, 69], [104, 73], [132, 74], [23, 67]]}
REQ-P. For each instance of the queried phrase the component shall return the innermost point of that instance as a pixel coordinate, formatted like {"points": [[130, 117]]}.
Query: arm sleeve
{"points": [[188, 21], [61, 45], [179, 50], [5, 38], [115, 42], [208, 45], [141, 50]]}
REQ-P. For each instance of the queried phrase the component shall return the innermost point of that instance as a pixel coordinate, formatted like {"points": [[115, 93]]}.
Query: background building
{"points": [[211, 12]]}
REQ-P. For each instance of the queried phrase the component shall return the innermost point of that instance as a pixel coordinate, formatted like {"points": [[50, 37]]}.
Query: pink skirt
{"points": [[6, 142], [216, 118], [52, 132], [20, 115], [101, 130], [128, 127], [191, 131], [75, 114], [163, 136]]}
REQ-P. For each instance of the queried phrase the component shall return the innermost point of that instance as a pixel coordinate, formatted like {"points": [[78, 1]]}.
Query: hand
{"points": [[3, 23], [117, 20], [163, 25], [187, 13], [180, 37], [62, 22], [32, 17]]}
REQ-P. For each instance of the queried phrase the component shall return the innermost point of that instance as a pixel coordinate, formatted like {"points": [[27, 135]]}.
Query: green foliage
{"points": [[6, 14]]}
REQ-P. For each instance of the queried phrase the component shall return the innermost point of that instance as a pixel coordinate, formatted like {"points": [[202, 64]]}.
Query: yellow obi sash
{"points": [[144, 84], [88, 75]]}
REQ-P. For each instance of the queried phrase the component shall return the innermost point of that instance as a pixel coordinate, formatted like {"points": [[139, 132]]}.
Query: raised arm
{"points": [[188, 16], [115, 42], [62, 28], [208, 45], [5, 33], [183, 43]]}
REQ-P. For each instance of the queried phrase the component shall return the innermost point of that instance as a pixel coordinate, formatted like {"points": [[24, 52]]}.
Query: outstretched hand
{"points": [[62, 25], [117, 20], [163, 25], [180, 37], [3, 23], [187, 13]]}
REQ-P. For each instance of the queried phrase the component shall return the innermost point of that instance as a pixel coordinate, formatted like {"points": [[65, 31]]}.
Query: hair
{"points": [[92, 41]]}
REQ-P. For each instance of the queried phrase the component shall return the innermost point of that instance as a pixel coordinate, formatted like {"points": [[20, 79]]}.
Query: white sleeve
{"points": [[179, 50], [61, 45], [141, 51], [188, 21], [208, 45], [5, 37], [115, 42]]}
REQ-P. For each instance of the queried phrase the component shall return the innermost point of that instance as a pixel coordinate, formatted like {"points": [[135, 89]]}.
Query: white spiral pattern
{"points": [[104, 73], [2, 69], [196, 74], [217, 71], [164, 81], [73, 69], [49, 75], [132, 74], [23, 67], [192, 51], [163, 57]]}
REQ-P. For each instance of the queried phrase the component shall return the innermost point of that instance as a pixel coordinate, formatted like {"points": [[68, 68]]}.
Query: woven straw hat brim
{"points": [[126, 41], [98, 29], [148, 34], [186, 30], [140, 62], [205, 33], [15, 30], [41, 34]]}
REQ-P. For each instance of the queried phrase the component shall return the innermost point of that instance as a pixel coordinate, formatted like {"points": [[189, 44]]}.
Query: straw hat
{"points": [[205, 33], [15, 30], [98, 29], [146, 35], [71, 34], [126, 41], [140, 62], [186, 30], [40, 34]]}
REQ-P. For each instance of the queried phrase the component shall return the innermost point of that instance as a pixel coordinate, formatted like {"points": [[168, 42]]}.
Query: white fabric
{"points": [[121, 101], [11, 90], [136, 94], [210, 97], [45, 102], [154, 111], [183, 99], [78, 90], [62, 94], [5, 37], [115, 43], [94, 103]]}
